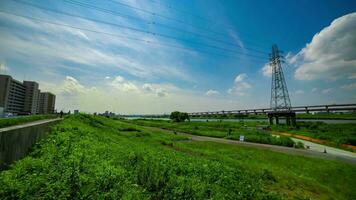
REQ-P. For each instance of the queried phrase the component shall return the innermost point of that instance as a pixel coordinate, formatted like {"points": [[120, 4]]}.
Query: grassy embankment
{"points": [[229, 130], [5, 122], [88, 157]]}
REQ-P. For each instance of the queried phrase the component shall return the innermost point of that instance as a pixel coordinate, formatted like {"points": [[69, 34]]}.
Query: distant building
{"points": [[76, 111], [12, 95], [24, 97], [32, 94], [46, 103]]}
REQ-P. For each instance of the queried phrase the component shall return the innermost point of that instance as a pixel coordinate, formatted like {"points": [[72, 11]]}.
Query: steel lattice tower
{"points": [[279, 93]]}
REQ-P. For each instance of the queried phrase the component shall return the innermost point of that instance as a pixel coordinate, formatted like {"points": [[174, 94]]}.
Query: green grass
{"points": [[87, 157], [5, 122], [336, 116], [229, 130], [335, 134]]}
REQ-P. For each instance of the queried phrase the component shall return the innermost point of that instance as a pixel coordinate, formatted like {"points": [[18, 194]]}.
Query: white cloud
{"points": [[299, 92], [148, 87], [240, 85], [159, 89], [107, 77], [266, 70], [240, 78], [212, 92], [121, 84], [331, 53], [353, 76], [72, 94], [64, 44], [327, 90], [3, 68], [314, 90], [351, 86]]}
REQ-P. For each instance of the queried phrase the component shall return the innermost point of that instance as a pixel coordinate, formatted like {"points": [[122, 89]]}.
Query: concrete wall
{"points": [[15, 144]]}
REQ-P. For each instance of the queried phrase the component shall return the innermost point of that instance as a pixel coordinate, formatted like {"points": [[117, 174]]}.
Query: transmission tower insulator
{"points": [[279, 93]]}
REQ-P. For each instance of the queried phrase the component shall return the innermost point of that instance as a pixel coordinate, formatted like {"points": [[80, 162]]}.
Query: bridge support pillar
{"points": [[288, 120], [277, 120], [293, 119], [270, 118], [289, 116]]}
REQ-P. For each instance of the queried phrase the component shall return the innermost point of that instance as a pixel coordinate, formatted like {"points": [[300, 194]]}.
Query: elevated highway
{"points": [[296, 109]]}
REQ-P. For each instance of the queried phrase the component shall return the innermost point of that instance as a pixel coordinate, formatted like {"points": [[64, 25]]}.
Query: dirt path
{"points": [[348, 157]]}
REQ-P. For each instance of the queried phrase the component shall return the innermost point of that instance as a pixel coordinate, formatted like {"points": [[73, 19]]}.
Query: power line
{"points": [[181, 11], [117, 35], [154, 23], [134, 29], [185, 12], [78, 3]]}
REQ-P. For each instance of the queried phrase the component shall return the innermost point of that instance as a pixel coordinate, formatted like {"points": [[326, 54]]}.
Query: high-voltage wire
{"points": [[120, 36], [210, 21], [138, 30], [90, 6]]}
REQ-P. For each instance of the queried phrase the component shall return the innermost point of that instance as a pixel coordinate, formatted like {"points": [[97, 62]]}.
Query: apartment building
{"points": [[20, 98], [47, 102], [32, 94]]}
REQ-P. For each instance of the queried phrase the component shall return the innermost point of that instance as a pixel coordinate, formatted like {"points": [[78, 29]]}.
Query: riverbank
{"points": [[340, 135], [87, 157]]}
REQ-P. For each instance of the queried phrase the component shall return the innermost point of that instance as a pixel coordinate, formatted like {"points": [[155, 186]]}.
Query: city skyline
{"points": [[221, 66]]}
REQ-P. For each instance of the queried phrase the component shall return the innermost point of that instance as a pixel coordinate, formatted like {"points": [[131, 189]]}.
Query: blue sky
{"points": [[156, 56]]}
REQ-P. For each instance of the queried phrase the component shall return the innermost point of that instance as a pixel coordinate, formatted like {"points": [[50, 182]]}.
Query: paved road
{"points": [[315, 150], [33, 123]]}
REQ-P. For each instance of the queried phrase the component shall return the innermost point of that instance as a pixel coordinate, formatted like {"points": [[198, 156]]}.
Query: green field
{"points": [[5, 122], [87, 157], [229, 130], [335, 134]]}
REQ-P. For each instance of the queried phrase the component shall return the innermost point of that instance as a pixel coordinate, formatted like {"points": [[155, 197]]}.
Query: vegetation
{"points": [[334, 133], [88, 157], [345, 116], [5, 122], [337, 135], [179, 116], [230, 130]]}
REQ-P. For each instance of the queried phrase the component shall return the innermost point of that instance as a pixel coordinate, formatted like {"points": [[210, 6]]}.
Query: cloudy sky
{"points": [[156, 56]]}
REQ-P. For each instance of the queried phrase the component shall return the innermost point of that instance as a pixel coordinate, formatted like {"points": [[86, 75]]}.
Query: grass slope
{"points": [[89, 157]]}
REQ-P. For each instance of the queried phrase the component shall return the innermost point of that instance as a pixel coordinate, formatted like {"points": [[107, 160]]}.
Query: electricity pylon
{"points": [[279, 93]]}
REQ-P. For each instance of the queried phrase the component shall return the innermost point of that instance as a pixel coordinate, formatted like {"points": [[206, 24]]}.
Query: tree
{"points": [[177, 116]]}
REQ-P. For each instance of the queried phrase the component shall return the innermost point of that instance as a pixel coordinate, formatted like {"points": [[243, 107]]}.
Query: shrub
{"points": [[177, 116]]}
